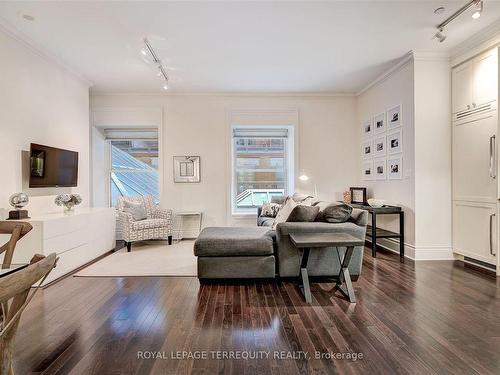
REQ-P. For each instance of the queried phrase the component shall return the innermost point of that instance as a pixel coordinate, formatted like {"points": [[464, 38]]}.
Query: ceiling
{"points": [[337, 46]]}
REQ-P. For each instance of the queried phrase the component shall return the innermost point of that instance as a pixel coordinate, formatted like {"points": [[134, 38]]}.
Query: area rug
{"points": [[149, 258]]}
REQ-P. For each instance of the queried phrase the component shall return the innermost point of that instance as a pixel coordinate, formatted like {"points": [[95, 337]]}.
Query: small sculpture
{"points": [[18, 201]]}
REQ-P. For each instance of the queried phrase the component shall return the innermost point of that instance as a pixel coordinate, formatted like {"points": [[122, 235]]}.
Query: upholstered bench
{"points": [[235, 253]]}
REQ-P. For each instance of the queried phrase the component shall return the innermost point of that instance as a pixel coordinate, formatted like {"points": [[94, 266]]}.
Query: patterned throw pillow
{"points": [[136, 209], [284, 212], [270, 209]]}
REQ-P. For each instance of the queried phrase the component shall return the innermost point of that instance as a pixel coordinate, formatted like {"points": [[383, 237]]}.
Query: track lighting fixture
{"points": [[161, 69], [440, 36], [478, 9]]}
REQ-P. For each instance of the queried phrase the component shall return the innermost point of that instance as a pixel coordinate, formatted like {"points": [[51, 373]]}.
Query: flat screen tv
{"points": [[52, 167]]}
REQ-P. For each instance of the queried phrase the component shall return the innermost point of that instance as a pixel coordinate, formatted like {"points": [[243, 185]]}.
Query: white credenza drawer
{"points": [[77, 238]]}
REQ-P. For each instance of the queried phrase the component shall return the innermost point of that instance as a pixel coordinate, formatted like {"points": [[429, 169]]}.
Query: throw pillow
{"points": [[136, 209], [338, 213], [270, 209], [284, 212], [303, 198], [302, 213]]}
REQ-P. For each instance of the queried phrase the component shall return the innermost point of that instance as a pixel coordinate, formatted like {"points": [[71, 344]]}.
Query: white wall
{"points": [[198, 125], [40, 102], [396, 88], [433, 158]]}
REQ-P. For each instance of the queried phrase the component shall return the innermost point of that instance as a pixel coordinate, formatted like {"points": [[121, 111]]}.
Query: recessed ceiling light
{"points": [[28, 17], [165, 87]]}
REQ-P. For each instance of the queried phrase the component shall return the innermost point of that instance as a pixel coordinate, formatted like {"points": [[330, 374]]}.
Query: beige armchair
{"points": [[157, 226]]}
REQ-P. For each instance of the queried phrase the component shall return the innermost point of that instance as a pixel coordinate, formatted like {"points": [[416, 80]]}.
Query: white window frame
{"points": [[290, 167]]}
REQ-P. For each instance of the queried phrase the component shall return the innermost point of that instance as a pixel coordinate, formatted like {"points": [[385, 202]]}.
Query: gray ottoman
{"points": [[235, 253]]}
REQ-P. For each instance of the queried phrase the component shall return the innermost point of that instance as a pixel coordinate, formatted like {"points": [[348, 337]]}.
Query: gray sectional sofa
{"points": [[261, 252], [322, 262]]}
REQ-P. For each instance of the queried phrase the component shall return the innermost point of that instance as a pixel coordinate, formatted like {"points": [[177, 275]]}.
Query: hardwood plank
{"points": [[414, 318]]}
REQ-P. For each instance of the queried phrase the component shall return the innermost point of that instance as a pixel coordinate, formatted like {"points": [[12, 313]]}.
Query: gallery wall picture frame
{"points": [[379, 167], [367, 149], [379, 146], [367, 128], [379, 124], [358, 195], [395, 167], [186, 169], [395, 141], [367, 171], [394, 117]]}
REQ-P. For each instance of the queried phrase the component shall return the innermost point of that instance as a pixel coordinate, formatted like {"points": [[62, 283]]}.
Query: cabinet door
{"points": [[473, 180], [462, 87], [475, 230], [485, 78]]}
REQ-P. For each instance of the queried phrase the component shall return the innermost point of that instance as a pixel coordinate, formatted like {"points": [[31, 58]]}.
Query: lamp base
{"points": [[18, 215]]}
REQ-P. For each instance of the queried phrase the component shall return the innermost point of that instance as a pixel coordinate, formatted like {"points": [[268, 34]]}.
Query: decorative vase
{"points": [[68, 207], [347, 197]]}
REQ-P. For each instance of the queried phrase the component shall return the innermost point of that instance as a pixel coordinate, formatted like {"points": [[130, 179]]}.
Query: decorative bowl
{"points": [[376, 203]]}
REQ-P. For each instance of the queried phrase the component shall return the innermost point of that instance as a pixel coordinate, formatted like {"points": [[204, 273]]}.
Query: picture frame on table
{"points": [[358, 195], [379, 124], [394, 117], [395, 167], [395, 141], [379, 167]]}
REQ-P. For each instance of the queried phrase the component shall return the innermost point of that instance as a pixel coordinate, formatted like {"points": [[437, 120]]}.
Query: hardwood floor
{"points": [[428, 318]]}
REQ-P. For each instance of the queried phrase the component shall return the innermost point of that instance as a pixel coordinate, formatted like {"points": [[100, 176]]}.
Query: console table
{"points": [[373, 233], [311, 241]]}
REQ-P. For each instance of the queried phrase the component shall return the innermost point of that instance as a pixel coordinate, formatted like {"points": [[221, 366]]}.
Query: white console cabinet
{"points": [[77, 238]]}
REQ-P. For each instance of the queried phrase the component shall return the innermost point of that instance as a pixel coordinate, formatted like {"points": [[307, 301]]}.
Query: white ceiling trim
{"points": [[228, 94], [18, 36], [405, 60], [486, 38]]}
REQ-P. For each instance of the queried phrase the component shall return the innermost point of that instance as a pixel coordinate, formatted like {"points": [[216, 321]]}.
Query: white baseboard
{"points": [[418, 253]]}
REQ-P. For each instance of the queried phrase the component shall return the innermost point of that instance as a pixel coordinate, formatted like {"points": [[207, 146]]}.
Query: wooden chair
{"points": [[15, 288]]}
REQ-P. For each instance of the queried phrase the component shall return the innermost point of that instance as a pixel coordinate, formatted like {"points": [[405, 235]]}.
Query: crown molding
{"points": [[96, 93], [425, 55], [15, 34], [408, 57], [482, 40]]}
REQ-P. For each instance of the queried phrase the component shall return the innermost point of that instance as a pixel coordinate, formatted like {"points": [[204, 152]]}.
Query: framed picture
{"points": [[367, 128], [394, 117], [186, 169], [368, 170], [379, 146], [395, 168], [379, 123], [367, 149], [379, 167], [358, 195], [395, 141]]}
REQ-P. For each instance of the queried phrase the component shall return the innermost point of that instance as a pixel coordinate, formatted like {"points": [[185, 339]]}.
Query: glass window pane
{"points": [[134, 169], [259, 168]]}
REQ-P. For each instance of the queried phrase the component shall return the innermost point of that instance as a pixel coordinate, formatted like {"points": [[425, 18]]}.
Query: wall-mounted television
{"points": [[52, 167]]}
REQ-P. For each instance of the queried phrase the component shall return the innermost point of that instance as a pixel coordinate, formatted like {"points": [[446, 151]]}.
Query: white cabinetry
{"points": [[76, 238], [475, 168]]}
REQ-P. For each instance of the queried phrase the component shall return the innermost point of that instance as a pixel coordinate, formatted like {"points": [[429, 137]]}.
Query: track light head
{"points": [[478, 9], [440, 36]]}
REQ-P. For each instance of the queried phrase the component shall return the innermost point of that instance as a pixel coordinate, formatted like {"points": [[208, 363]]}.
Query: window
{"points": [[134, 169], [262, 165]]}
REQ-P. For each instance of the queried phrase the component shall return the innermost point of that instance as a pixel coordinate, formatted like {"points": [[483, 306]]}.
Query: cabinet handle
{"points": [[493, 173], [468, 106], [491, 234]]}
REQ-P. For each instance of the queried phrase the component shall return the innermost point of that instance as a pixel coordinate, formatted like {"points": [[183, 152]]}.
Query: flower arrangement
{"points": [[69, 201]]}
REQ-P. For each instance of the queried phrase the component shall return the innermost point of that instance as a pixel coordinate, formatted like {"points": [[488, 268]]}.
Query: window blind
{"points": [[260, 133], [127, 134]]}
